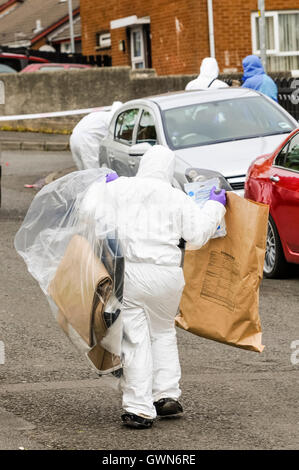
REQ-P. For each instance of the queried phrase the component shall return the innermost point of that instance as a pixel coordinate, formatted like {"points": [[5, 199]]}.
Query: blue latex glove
{"points": [[220, 196], [111, 177]]}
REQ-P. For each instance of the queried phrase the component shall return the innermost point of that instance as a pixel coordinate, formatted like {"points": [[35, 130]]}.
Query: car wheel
{"points": [[275, 264]]}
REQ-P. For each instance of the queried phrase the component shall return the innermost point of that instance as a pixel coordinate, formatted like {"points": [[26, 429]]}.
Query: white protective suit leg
{"points": [[151, 364], [76, 151]]}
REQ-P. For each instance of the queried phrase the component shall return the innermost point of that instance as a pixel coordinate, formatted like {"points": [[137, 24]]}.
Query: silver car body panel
{"points": [[231, 158]]}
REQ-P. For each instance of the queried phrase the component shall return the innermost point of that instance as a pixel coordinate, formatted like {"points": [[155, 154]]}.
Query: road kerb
{"points": [[38, 146]]}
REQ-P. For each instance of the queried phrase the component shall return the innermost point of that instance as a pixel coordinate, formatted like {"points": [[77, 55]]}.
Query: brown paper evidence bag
{"points": [[221, 296]]}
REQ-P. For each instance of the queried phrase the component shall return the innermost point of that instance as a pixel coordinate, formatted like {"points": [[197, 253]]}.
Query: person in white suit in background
{"points": [[87, 136], [208, 77]]}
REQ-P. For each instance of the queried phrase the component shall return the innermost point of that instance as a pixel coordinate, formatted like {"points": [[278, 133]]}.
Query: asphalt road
{"points": [[51, 399]]}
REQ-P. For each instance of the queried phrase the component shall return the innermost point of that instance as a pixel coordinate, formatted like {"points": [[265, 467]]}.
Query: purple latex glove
{"points": [[111, 177], [218, 196]]}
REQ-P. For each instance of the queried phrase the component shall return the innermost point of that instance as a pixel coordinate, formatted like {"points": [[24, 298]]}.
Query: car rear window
{"points": [[46, 68], [221, 121]]}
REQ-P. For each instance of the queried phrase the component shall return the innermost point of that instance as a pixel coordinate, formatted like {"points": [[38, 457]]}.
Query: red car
{"points": [[19, 61], [274, 180]]}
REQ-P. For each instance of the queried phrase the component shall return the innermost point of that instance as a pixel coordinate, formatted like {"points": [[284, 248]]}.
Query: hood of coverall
{"points": [[209, 68], [209, 72], [252, 65], [105, 117], [115, 106], [157, 162]]}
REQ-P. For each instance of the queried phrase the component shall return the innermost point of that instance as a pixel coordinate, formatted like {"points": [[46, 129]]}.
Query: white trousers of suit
{"points": [[149, 349]]}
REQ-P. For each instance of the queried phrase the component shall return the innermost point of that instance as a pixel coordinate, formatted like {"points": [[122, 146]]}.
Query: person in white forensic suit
{"points": [[208, 77], [87, 136], [151, 216]]}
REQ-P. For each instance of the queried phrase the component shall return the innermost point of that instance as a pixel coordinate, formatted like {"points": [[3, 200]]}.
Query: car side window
{"points": [[146, 131], [125, 126], [280, 159], [289, 155], [292, 157]]}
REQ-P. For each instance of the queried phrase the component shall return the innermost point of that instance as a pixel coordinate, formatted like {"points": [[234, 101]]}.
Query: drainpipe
{"points": [[71, 26], [211, 28], [262, 28]]}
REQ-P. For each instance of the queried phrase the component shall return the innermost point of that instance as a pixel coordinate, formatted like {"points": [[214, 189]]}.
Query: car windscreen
{"points": [[222, 121]]}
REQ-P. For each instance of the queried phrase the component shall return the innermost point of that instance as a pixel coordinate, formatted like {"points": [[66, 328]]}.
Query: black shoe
{"points": [[168, 407], [135, 421]]}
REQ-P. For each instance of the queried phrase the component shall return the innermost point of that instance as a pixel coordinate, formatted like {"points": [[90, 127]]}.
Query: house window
{"points": [[282, 39], [66, 47], [103, 40]]}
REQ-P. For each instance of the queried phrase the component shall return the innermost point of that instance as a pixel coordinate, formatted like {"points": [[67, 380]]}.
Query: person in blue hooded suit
{"points": [[255, 77]]}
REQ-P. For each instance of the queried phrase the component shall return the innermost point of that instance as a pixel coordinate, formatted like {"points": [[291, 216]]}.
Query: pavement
{"points": [[51, 399], [10, 140]]}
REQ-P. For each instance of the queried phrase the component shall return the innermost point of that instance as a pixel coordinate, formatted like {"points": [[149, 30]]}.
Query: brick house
{"points": [[173, 36]]}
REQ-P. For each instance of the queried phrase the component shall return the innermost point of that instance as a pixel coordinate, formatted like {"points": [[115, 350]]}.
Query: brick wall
{"points": [[179, 30], [232, 23]]}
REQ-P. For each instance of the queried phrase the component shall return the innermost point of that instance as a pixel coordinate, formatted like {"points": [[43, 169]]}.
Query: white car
{"points": [[222, 130]]}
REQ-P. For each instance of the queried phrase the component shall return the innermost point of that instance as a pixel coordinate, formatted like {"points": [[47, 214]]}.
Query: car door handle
{"points": [[275, 178]]}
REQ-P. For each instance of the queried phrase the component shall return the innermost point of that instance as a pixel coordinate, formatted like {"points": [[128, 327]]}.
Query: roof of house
{"points": [[6, 5], [6, 2], [64, 32], [33, 19]]}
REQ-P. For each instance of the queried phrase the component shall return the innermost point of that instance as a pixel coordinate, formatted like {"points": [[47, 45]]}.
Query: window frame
{"points": [[288, 143], [276, 51], [149, 110], [123, 141], [99, 35]]}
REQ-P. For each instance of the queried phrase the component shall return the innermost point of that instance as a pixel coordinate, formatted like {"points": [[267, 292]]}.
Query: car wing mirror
{"points": [[138, 150]]}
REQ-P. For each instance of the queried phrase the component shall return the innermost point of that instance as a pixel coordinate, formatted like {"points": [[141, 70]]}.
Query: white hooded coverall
{"points": [[207, 78], [87, 136], [151, 216]]}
